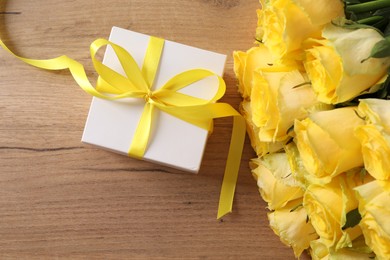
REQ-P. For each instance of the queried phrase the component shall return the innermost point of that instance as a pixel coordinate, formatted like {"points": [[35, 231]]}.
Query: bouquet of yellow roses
{"points": [[315, 94]]}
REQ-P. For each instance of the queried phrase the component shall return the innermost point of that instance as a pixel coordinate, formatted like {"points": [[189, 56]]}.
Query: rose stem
{"points": [[368, 6]]}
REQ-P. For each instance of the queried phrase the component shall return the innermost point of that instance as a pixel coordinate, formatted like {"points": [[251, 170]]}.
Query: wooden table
{"points": [[61, 199]]}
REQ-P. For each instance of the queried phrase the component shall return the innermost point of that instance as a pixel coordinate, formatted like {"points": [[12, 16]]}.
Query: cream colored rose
{"points": [[327, 206], [284, 24], [374, 207], [335, 66], [277, 98], [326, 143], [245, 63], [375, 137], [291, 226], [261, 148], [276, 185]]}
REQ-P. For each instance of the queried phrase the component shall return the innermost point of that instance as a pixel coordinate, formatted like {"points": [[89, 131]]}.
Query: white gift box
{"points": [[173, 142]]}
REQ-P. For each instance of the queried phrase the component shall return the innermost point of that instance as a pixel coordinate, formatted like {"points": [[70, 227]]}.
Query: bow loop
{"points": [[189, 77], [113, 82]]}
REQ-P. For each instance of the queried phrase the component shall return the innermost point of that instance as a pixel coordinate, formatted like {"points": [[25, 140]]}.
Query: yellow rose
{"points": [[335, 66], [319, 251], [327, 206], [375, 137], [298, 170], [285, 24], [276, 101], [323, 11], [290, 225], [326, 143], [374, 207], [276, 185], [261, 148], [376, 111], [245, 63], [376, 150]]}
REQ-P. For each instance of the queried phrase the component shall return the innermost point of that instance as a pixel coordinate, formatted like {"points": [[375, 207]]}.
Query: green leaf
{"points": [[386, 31], [353, 218], [382, 12], [381, 25], [381, 49], [385, 91]]}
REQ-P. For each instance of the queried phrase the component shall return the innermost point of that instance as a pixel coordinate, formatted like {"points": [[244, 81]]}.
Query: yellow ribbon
{"points": [[138, 83]]}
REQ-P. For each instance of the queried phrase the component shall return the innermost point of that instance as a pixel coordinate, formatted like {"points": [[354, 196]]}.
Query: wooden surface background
{"points": [[60, 198]]}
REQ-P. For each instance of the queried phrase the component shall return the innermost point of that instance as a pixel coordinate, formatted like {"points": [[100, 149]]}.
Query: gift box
{"points": [[111, 124], [122, 118]]}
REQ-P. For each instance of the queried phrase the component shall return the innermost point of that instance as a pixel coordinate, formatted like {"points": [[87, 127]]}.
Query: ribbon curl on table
{"points": [[137, 84]]}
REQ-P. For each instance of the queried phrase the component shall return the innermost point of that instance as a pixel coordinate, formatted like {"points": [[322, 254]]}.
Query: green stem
{"points": [[370, 20], [368, 6]]}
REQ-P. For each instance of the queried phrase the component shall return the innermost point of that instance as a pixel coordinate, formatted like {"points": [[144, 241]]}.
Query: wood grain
{"points": [[62, 199]]}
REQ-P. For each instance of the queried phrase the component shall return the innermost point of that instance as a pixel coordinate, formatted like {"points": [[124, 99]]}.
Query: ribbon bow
{"points": [[138, 84]]}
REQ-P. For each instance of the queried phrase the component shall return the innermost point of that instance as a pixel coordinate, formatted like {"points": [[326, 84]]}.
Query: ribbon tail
{"points": [[61, 63], [201, 116], [141, 136], [232, 167]]}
